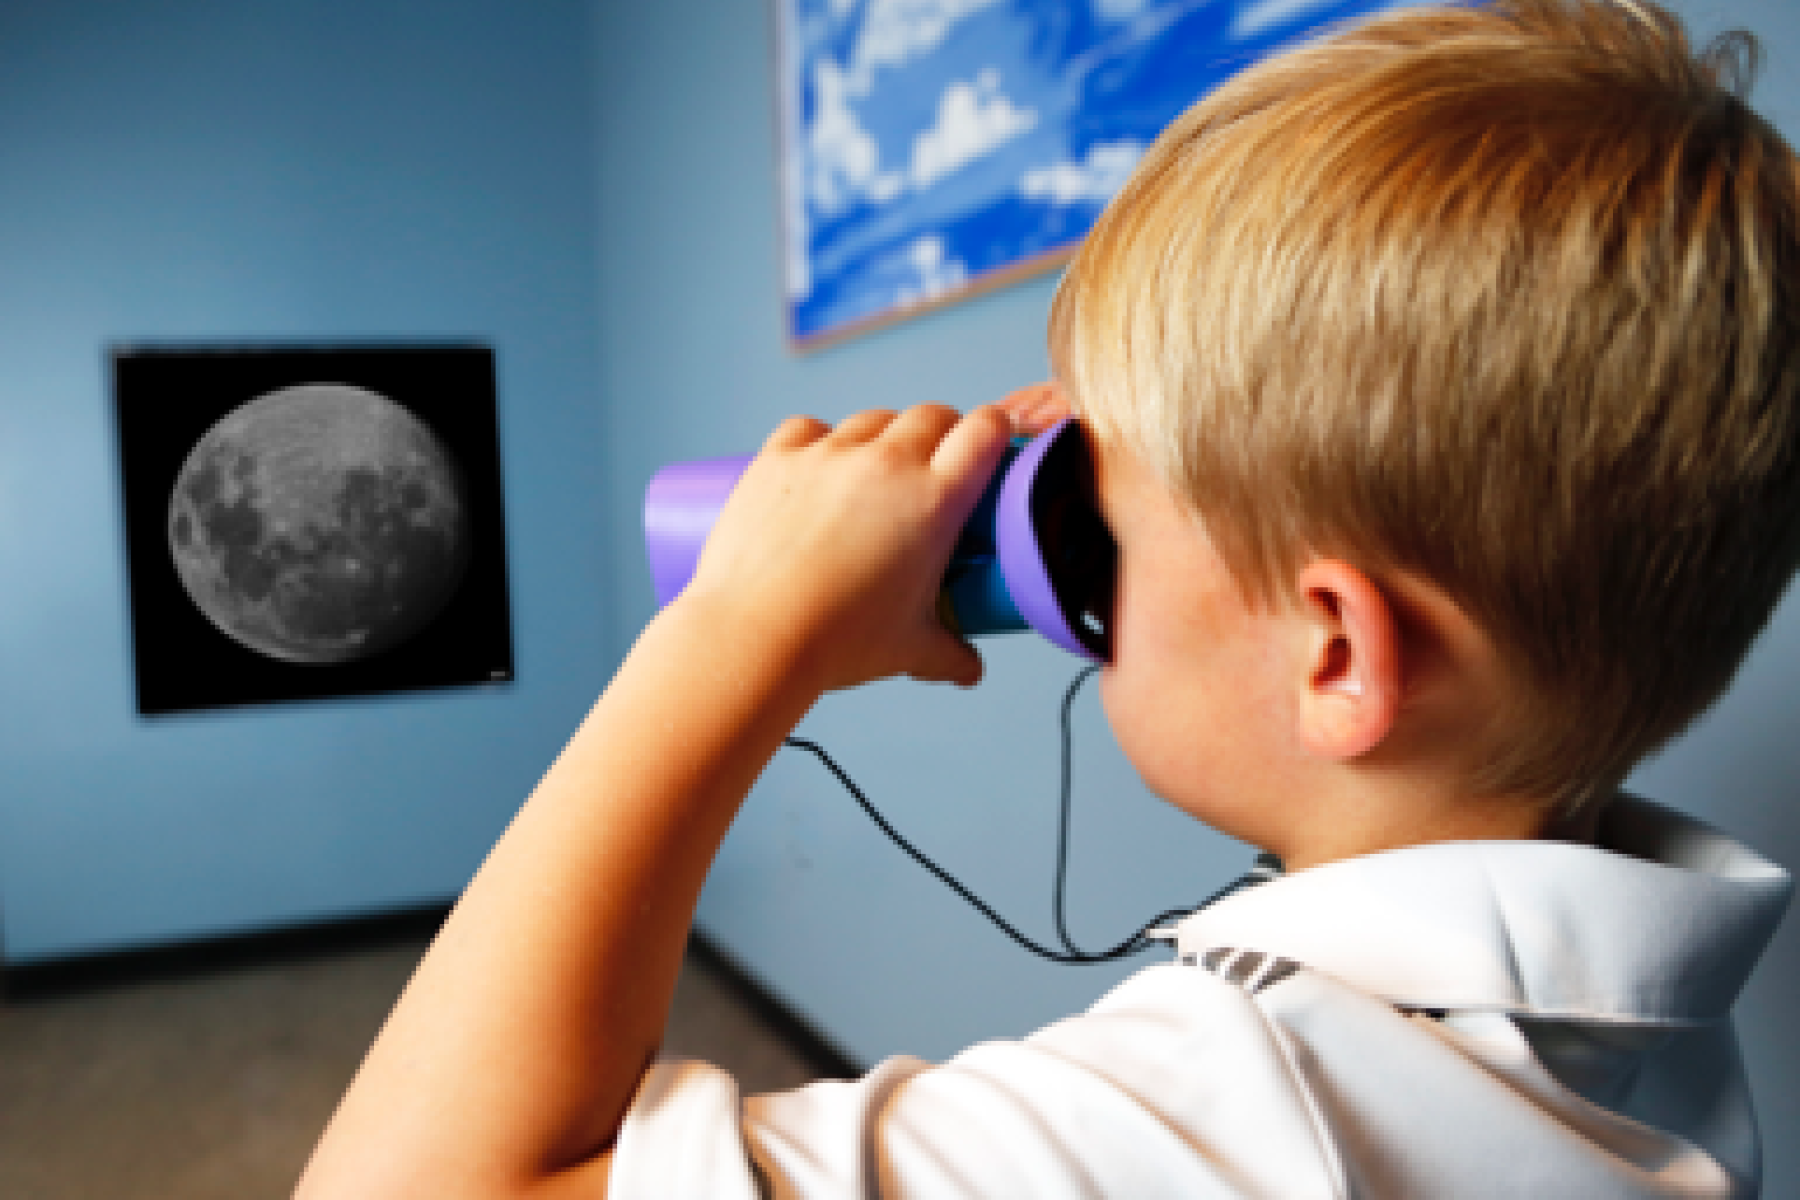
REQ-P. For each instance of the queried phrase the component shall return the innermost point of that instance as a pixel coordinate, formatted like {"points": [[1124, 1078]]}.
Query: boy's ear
{"points": [[1351, 654]]}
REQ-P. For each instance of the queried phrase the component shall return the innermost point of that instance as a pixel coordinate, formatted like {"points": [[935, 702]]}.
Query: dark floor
{"points": [[207, 1074]]}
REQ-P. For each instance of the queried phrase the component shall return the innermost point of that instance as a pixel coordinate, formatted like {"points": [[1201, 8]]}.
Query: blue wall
{"points": [[832, 918], [291, 171]]}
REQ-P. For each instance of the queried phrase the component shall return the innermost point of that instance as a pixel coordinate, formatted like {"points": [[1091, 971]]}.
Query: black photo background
{"points": [[261, 572]]}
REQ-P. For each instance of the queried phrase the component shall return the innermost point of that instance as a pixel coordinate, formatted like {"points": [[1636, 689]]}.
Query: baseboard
{"points": [[57, 977]]}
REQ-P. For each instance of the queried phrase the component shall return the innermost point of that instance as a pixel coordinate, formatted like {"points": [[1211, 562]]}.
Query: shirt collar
{"points": [[1659, 923]]}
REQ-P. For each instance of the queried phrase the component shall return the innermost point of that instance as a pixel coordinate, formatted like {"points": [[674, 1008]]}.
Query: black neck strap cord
{"points": [[1070, 954]]}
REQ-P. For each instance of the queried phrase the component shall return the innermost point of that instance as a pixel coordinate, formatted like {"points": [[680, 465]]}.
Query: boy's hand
{"points": [[1036, 408], [833, 547]]}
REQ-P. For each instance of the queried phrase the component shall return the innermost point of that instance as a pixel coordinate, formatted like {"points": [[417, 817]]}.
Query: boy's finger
{"points": [[921, 428], [1038, 407], [862, 427], [796, 432], [971, 449]]}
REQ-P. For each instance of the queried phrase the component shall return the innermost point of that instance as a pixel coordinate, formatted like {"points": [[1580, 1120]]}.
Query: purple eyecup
{"points": [[1016, 535]]}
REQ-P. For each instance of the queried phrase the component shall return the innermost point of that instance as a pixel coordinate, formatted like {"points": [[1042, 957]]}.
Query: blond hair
{"points": [[1503, 296]]}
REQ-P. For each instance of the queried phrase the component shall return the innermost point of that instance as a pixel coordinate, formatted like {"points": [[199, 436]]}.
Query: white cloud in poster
{"points": [[885, 187], [937, 272], [1093, 180], [973, 119], [843, 160], [895, 32]]}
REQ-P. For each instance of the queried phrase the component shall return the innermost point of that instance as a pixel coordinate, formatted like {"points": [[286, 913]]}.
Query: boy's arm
{"points": [[508, 1064]]}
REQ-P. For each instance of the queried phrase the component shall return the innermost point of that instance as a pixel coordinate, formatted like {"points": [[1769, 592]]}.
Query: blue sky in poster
{"points": [[928, 142]]}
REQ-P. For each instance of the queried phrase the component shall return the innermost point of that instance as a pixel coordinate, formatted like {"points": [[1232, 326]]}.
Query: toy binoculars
{"points": [[1034, 554]]}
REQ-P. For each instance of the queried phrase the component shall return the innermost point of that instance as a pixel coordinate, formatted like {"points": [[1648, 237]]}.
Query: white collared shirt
{"points": [[1461, 1019]]}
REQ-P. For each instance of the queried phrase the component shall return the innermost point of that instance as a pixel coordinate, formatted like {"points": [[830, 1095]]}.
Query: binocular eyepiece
{"points": [[1034, 554]]}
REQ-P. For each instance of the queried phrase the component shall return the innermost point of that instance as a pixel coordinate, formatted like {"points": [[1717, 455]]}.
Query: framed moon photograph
{"points": [[310, 522]]}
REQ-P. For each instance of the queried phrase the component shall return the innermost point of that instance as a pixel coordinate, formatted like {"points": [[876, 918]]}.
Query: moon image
{"points": [[320, 523]]}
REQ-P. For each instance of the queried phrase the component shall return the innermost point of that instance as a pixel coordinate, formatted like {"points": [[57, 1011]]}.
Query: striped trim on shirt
{"points": [[1251, 970]]}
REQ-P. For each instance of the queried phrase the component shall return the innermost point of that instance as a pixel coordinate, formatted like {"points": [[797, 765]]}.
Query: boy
{"points": [[1442, 383]]}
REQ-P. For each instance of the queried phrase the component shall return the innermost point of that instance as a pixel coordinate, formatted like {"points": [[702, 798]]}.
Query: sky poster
{"points": [[933, 147]]}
